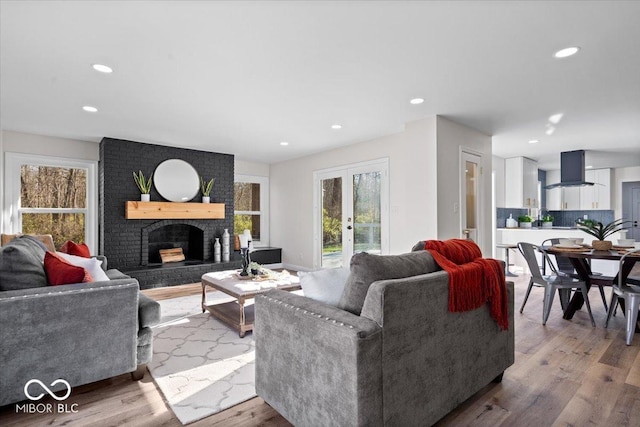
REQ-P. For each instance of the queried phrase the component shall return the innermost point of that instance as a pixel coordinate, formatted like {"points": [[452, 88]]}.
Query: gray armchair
{"points": [[80, 333], [405, 361]]}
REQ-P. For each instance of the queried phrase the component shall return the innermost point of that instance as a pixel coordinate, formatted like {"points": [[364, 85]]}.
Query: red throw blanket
{"points": [[473, 280]]}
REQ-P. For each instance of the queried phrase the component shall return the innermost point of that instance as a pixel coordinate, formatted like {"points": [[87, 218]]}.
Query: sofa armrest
{"points": [[307, 351], [104, 261], [148, 311]]}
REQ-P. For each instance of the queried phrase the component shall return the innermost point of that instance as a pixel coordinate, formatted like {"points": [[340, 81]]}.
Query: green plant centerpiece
{"points": [[525, 221], [601, 231], [144, 185], [206, 187]]}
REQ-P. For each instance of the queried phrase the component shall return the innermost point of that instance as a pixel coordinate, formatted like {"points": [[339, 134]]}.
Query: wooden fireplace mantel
{"points": [[173, 210]]}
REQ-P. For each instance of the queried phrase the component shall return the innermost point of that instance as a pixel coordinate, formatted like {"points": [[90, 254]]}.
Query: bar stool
{"points": [[506, 247]]}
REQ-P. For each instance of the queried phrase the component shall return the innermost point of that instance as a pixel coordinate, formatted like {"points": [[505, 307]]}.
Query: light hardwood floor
{"points": [[566, 374]]}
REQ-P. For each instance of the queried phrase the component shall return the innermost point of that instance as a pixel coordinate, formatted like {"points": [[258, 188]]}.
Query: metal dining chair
{"points": [[629, 291], [563, 284], [565, 267]]}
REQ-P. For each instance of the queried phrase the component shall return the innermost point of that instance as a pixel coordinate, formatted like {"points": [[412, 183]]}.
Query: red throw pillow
{"points": [[60, 272], [73, 248]]}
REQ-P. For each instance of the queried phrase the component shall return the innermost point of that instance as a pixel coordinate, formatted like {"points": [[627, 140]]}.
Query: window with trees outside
{"points": [[52, 196], [251, 204]]}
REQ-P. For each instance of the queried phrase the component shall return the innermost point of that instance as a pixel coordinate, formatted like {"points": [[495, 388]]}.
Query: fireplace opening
{"points": [[185, 236]]}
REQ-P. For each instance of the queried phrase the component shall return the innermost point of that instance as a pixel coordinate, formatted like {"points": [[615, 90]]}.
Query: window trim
{"points": [[13, 163], [264, 206]]}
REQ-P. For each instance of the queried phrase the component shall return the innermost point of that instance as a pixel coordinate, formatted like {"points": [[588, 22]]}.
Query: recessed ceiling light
{"points": [[555, 118], [102, 68], [533, 141], [283, 143], [588, 167], [336, 126], [550, 130], [563, 53], [90, 109], [416, 101]]}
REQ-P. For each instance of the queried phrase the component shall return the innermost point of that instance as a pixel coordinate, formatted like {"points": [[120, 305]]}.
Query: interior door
{"points": [[631, 208], [352, 212], [470, 197]]}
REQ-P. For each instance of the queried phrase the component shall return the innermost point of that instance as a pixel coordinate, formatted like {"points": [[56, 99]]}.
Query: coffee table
{"points": [[235, 313]]}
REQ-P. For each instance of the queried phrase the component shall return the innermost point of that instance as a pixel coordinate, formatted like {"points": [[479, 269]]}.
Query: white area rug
{"points": [[200, 364]]}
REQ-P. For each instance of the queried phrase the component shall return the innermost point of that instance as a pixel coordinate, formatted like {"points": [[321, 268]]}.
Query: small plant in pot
{"points": [[601, 231], [525, 221], [547, 221], [144, 185], [205, 188]]}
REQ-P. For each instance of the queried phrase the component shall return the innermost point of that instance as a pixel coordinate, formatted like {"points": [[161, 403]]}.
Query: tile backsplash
{"points": [[560, 218]]}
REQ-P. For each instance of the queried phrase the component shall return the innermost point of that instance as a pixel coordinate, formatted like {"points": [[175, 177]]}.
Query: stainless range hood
{"points": [[571, 170]]}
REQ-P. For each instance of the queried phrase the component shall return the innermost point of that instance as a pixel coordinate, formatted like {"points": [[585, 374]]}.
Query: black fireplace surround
{"points": [[132, 246]]}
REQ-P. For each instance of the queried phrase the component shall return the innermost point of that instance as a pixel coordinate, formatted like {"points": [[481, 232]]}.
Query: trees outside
{"points": [[246, 203], [45, 192]]}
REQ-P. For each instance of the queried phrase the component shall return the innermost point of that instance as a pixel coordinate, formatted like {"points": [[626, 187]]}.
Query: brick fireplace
{"points": [[132, 245]]}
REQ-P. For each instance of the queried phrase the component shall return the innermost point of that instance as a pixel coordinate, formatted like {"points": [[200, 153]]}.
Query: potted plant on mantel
{"points": [[547, 221], [144, 185], [525, 221], [601, 231], [206, 187]]}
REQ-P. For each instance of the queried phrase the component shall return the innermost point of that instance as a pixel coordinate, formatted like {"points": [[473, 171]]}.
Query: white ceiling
{"points": [[240, 77]]}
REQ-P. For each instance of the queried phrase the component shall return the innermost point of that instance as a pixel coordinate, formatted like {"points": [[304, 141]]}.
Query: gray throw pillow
{"points": [[21, 264], [367, 268], [324, 285]]}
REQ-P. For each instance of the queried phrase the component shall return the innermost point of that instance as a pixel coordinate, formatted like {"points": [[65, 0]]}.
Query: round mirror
{"points": [[176, 180]]}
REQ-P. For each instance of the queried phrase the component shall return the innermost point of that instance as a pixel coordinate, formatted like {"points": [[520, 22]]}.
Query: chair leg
{"points": [[138, 374], [526, 296], [585, 294], [604, 299], [549, 293], [632, 305], [612, 308]]}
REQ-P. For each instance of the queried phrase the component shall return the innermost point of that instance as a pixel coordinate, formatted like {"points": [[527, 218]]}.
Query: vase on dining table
{"points": [[602, 245]]}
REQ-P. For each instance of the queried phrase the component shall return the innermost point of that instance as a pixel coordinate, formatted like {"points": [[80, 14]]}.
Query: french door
{"points": [[351, 212]]}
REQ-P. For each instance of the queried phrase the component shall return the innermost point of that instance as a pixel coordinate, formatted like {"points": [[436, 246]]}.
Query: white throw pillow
{"points": [[92, 265], [324, 285]]}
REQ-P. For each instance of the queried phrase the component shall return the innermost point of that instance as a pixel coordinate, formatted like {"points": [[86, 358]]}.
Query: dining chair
{"points": [[565, 267], [629, 291], [563, 284]]}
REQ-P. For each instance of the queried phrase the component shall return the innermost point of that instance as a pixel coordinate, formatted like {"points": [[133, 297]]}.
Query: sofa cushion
{"points": [[21, 264], [92, 265], [324, 285], [367, 268], [61, 272], [72, 248]]}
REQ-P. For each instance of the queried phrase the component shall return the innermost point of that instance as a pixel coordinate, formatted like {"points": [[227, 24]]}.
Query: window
{"points": [[251, 207], [48, 195]]}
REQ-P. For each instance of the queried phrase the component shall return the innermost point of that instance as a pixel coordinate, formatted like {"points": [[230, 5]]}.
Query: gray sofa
{"points": [[404, 361], [81, 332]]}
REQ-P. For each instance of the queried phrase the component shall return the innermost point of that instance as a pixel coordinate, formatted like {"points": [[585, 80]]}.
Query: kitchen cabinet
{"points": [[562, 198], [521, 183], [596, 196]]}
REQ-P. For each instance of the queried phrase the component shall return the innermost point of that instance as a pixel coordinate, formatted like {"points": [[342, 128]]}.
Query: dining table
{"points": [[580, 259]]}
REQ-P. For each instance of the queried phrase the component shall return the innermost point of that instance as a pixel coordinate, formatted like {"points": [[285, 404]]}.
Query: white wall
{"points": [[18, 142], [243, 167], [451, 139], [413, 190]]}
